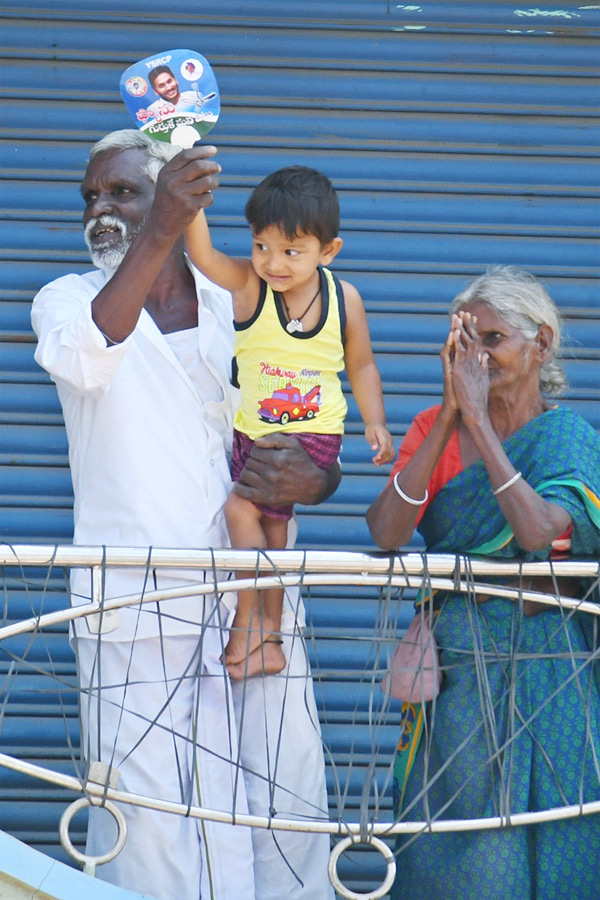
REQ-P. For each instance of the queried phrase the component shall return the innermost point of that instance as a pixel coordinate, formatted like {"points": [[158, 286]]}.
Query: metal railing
{"points": [[282, 568]]}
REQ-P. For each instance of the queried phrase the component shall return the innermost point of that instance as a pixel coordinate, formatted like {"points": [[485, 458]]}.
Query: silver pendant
{"points": [[294, 325]]}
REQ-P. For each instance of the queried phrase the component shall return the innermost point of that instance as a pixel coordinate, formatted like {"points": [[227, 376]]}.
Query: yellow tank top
{"points": [[290, 382]]}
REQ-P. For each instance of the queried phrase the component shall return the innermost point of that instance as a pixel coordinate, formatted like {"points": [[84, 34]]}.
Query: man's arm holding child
{"points": [[280, 472], [364, 377]]}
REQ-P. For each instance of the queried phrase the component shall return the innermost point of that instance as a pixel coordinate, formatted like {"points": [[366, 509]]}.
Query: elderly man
{"points": [[140, 351]]}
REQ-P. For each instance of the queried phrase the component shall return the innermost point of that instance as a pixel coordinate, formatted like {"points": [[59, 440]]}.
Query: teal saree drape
{"points": [[516, 726]]}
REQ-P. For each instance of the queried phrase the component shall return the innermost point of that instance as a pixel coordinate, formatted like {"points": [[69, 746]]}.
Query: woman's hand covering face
{"points": [[469, 362]]}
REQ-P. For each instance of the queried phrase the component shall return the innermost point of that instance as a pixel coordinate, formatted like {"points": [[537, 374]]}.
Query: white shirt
{"points": [[147, 454], [184, 345]]}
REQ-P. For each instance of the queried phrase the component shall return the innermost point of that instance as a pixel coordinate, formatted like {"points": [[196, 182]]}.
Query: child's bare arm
{"points": [[364, 377], [227, 271]]}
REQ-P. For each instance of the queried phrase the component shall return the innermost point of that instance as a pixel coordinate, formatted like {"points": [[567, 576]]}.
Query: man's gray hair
{"points": [[521, 301], [158, 152]]}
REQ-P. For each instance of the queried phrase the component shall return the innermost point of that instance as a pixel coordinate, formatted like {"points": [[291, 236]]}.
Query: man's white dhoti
{"points": [[168, 711], [282, 755]]}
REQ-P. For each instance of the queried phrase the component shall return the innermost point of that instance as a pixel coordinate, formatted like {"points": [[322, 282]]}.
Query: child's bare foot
{"points": [[243, 642], [267, 659]]}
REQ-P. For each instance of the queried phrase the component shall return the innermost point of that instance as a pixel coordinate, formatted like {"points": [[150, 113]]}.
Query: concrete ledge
{"points": [[27, 874]]}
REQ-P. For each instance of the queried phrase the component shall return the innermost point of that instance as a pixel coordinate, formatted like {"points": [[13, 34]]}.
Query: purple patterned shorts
{"points": [[323, 449]]}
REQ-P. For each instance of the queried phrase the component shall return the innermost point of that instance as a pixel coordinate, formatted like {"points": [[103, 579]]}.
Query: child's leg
{"points": [[272, 598], [267, 658], [254, 641]]}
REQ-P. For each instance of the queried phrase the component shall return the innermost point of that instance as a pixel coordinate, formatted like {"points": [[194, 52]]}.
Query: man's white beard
{"points": [[109, 256]]}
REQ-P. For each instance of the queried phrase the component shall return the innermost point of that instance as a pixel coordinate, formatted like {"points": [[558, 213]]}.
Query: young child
{"points": [[296, 328]]}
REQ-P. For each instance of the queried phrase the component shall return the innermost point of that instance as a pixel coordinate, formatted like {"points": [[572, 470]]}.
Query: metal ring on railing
{"points": [[90, 862], [385, 851]]}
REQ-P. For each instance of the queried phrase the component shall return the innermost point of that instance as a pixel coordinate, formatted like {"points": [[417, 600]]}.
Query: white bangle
{"points": [[406, 497], [507, 484]]}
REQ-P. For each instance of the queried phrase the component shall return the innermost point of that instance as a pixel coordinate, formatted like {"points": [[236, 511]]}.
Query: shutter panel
{"points": [[459, 135]]}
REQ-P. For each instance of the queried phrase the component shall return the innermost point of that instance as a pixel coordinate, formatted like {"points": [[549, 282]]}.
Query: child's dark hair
{"points": [[298, 200]]}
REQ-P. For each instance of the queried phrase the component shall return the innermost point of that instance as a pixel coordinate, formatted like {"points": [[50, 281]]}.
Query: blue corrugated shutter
{"points": [[459, 135]]}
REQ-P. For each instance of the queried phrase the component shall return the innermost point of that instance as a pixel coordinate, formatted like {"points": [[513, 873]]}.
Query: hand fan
{"points": [[172, 96]]}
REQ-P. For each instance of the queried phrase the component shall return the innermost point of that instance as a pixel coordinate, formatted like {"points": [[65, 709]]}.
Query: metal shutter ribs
{"points": [[458, 135]]}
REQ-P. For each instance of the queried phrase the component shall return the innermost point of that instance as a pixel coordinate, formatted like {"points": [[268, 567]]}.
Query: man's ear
{"points": [[544, 340], [330, 251]]}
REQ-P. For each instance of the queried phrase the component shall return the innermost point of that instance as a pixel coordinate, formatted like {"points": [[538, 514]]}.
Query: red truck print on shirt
{"points": [[288, 404]]}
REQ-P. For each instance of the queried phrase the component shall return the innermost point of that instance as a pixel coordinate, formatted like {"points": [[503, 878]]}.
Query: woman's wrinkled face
{"points": [[513, 359]]}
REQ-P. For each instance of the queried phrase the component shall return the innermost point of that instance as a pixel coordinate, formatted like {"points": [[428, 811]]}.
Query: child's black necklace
{"points": [[296, 324]]}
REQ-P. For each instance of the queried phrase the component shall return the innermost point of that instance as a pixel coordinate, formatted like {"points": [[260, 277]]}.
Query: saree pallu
{"points": [[516, 726]]}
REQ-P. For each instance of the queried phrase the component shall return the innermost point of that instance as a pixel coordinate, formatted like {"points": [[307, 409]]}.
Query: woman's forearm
{"points": [[534, 522], [391, 518]]}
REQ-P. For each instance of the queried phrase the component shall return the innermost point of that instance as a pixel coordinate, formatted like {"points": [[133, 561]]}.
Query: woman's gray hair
{"points": [[521, 301], [158, 152]]}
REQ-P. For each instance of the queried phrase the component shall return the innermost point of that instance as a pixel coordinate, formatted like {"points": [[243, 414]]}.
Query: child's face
{"points": [[286, 264]]}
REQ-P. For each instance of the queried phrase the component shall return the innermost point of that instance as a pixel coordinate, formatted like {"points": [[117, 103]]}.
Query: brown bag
{"points": [[414, 673]]}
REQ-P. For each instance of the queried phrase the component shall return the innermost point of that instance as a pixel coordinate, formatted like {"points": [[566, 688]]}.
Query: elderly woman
{"points": [[499, 470]]}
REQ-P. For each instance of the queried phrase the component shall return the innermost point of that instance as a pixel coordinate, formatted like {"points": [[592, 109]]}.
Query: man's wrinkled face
{"points": [[118, 196]]}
